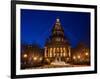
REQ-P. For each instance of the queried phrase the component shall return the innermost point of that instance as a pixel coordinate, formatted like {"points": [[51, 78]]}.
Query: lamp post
{"points": [[25, 56]]}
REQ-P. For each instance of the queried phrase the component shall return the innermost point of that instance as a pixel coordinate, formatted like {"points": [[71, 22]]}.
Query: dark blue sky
{"points": [[36, 26]]}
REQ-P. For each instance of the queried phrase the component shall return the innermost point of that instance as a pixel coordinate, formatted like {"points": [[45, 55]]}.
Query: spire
{"points": [[57, 25], [57, 20], [57, 29]]}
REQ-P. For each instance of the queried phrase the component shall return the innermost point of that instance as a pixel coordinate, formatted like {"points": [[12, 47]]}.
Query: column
{"points": [[57, 49], [53, 52], [45, 52], [69, 51], [50, 52], [61, 52], [64, 53]]}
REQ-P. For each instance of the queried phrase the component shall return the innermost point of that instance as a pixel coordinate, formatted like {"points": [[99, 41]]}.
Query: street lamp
{"points": [[35, 58], [74, 57], [78, 57], [86, 54], [25, 56]]}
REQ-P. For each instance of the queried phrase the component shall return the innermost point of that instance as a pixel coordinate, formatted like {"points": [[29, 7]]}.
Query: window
{"points": [[57, 39]]}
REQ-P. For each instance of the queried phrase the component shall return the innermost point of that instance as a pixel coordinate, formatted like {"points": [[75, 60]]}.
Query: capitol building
{"points": [[57, 47]]}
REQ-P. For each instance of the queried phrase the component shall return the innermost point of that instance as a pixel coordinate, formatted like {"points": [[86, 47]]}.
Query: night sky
{"points": [[36, 26]]}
